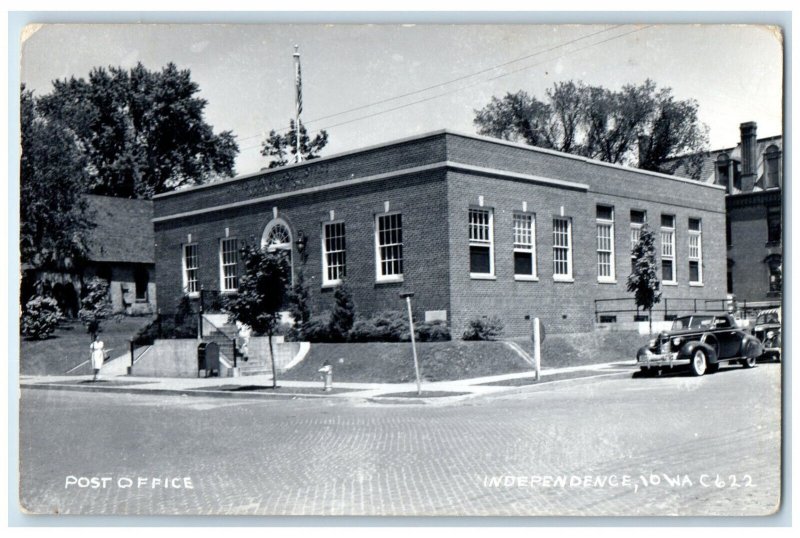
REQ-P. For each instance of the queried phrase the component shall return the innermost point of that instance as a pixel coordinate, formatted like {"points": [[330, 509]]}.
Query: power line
{"points": [[445, 83], [399, 107]]}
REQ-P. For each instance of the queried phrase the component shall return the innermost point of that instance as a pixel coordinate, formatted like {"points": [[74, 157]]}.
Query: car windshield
{"points": [[768, 317], [692, 322]]}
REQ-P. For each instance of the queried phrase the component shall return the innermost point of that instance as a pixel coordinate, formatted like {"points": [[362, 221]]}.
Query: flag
{"points": [[298, 83]]}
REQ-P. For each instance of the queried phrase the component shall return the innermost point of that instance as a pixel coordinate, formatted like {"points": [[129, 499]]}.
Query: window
{"points": [[333, 253], [141, 279], [605, 244], [481, 243], [190, 268], [774, 224], [695, 251], [524, 246], [668, 249], [562, 249], [638, 219], [389, 245], [775, 265], [229, 279]]}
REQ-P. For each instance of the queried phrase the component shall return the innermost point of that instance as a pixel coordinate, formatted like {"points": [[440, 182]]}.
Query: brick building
{"points": [[752, 174], [474, 226]]}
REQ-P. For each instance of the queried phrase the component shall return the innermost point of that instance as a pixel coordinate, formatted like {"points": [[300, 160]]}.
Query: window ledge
{"points": [[663, 283], [563, 279], [229, 292], [482, 276], [193, 295], [526, 278], [332, 284], [388, 280], [696, 284], [606, 281]]}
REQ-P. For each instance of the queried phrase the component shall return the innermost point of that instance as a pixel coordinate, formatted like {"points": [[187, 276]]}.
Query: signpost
{"points": [[407, 296], [538, 338]]}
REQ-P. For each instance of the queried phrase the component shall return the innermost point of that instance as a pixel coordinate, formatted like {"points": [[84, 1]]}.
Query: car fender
{"points": [[642, 352], [752, 347], [689, 348]]}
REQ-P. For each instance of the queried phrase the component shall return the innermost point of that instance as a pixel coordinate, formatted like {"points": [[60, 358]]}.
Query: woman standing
{"points": [[98, 355]]}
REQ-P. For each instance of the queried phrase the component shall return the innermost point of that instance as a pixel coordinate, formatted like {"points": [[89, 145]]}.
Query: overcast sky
{"points": [[405, 80]]}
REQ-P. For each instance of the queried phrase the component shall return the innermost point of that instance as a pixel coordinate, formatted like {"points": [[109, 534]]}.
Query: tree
{"points": [[299, 303], [54, 217], [261, 295], [139, 132], [95, 306], [343, 314], [282, 149], [636, 125], [643, 281]]}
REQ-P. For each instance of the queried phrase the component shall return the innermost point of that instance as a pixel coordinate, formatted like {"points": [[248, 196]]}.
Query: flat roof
{"points": [[430, 134]]}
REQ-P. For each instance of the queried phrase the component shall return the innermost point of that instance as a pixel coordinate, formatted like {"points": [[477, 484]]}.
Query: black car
{"points": [[701, 341], [767, 328]]}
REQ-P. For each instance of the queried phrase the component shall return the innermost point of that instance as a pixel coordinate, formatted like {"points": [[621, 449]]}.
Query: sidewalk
{"points": [[113, 379]]}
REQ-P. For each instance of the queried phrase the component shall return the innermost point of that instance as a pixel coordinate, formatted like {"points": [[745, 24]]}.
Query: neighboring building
{"points": [[473, 226], [120, 251], [752, 173]]}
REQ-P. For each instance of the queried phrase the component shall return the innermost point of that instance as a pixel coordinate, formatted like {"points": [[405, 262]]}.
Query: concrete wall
{"points": [[168, 358]]}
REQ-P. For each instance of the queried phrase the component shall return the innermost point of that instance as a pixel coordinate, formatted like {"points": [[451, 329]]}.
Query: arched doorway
{"points": [[277, 237]]}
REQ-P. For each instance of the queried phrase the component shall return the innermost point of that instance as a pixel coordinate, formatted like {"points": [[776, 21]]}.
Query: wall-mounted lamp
{"points": [[301, 243]]}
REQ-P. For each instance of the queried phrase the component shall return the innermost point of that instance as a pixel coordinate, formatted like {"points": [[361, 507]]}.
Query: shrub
{"points": [[432, 331], [483, 328], [317, 329], [95, 305], [343, 315], [40, 317], [389, 326]]}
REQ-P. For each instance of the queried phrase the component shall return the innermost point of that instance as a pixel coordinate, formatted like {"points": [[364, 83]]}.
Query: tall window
{"points": [[774, 224], [605, 243], [638, 219], [333, 253], [141, 278], [190, 267], [389, 245], [695, 251], [229, 278], [668, 249], [524, 246], [481, 243], [562, 249]]}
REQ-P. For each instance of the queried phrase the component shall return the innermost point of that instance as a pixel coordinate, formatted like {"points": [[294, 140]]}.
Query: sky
{"points": [[368, 84]]}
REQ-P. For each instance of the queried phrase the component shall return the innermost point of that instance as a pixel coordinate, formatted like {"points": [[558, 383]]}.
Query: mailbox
{"points": [[208, 358]]}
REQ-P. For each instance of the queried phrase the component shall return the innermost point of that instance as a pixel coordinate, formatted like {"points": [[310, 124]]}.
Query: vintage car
{"points": [[701, 341], [768, 330]]}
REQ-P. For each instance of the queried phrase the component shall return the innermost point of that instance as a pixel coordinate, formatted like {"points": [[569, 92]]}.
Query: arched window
{"points": [[772, 158], [277, 237]]}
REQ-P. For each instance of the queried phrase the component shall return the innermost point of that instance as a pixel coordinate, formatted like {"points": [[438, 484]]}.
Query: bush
{"points": [[343, 315], [317, 329], [389, 326], [432, 331], [40, 317], [483, 329]]}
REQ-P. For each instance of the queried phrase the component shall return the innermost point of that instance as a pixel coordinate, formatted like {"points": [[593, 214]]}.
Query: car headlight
{"points": [[653, 342], [676, 341], [770, 334]]}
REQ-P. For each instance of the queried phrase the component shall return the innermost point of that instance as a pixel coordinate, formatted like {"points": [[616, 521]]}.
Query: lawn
{"points": [[68, 346], [587, 348], [394, 363]]}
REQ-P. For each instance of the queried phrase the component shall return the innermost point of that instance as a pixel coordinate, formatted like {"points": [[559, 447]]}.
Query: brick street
{"points": [[337, 457]]}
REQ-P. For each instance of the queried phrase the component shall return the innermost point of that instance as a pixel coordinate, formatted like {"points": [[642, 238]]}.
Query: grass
{"points": [[393, 363], [68, 346], [587, 348]]}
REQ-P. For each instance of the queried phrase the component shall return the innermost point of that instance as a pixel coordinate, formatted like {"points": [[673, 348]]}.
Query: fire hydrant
{"points": [[327, 375]]}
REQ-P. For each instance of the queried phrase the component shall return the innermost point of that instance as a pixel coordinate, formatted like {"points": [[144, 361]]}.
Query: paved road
{"points": [[687, 438]]}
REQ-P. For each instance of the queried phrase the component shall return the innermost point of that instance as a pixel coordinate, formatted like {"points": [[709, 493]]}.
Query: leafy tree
{"points": [[643, 281], [261, 295], [282, 149], [54, 217], [343, 314], [95, 306], [636, 125], [139, 132]]}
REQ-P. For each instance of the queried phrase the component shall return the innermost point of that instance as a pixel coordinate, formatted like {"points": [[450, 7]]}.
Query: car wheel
{"points": [[749, 362], [699, 362]]}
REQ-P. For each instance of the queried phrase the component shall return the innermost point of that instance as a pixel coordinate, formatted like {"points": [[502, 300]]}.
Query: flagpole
{"points": [[298, 103]]}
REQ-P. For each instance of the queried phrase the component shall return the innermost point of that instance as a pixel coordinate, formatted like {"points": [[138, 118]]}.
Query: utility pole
{"points": [[298, 102], [407, 296]]}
